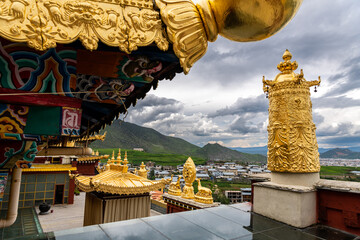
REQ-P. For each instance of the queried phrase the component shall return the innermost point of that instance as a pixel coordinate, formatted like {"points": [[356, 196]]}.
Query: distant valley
{"points": [[128, 136]]}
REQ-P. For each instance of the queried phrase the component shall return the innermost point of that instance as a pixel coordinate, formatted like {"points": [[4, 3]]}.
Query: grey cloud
{"points": [[348, 80], [340, 129], [152, 100], [317, 118], [348, 141], [335, 102], [153, 108], [242, 106]]}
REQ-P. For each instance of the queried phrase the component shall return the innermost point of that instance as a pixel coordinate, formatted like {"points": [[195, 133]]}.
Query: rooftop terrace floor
{"points": [[224, 222]]}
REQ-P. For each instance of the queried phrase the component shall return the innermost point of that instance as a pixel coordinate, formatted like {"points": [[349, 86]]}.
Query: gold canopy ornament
{"points": [[292, 145]]}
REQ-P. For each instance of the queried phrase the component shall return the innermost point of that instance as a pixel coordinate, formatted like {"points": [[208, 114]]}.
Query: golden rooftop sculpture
{"points": [[174, 187], [129, 24], [292, 145], [116, 179], [189, 175], [204, 195], [142, 172]]}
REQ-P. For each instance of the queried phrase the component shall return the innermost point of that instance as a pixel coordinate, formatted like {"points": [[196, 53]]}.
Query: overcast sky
{"points": [[221, 99]]}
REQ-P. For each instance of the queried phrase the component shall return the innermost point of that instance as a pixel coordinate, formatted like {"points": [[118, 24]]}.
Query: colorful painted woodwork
{"points": [[55, 71]]}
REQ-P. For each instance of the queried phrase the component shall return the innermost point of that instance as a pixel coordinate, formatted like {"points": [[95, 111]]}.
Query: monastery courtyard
{"points": [[67, 216]]}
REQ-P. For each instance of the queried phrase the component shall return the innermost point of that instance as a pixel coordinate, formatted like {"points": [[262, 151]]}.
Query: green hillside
{"points": [[136, 157], [126, 135], [217, 152]]}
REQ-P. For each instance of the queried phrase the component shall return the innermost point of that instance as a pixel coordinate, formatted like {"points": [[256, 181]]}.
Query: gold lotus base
{"points": [[206, 200], [174, 192], [188, 192]]}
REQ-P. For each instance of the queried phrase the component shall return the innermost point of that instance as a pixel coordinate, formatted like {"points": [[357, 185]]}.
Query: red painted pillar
{"points": [[71, 191]]}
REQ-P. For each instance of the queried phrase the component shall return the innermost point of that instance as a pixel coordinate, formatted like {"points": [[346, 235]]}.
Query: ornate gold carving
{"points": [[174, 188], [204, 195], [189, 175], [184, 29], [126, 24], [292, 145]]}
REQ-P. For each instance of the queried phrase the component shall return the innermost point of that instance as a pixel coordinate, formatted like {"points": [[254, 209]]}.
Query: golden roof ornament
{"points": [[287, 66], [204, 194], [174, 187], [142, 172], [118, 159], [189, 175], [115, 181], [292, 144], [190, 26], [125, 162]]}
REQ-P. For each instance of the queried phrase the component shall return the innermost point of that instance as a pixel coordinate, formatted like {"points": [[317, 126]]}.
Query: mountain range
{"points": [[340, 153], [346, 153], [128, 136]]}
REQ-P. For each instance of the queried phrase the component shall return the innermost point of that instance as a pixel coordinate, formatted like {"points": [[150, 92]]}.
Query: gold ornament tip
{"points": [[246, 20]]}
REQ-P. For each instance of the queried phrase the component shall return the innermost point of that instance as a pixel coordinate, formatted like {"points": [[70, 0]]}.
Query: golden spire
{"points": [[125, 162], [112, 158], [97, 153], [118, 159]]}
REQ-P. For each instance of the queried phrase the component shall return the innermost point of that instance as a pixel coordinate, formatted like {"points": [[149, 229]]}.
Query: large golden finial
{"points": [[292, 145], [190, 26], [246, 20], [189, 175]]}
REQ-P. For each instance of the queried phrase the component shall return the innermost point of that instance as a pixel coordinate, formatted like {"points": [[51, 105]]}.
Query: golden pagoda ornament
{"points": [[189, 175], [292, 145], [142, 172]]}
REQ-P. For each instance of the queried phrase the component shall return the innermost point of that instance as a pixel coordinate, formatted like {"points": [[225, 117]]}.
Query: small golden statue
{"points": [[189, 175], [174, 188], [204, 194]]}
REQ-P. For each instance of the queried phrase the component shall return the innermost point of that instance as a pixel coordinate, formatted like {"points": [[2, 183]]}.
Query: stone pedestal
{"points": [[288, 198]]}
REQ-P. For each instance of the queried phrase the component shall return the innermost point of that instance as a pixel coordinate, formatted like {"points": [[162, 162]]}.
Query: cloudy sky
{"points": [[221, 99]]}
